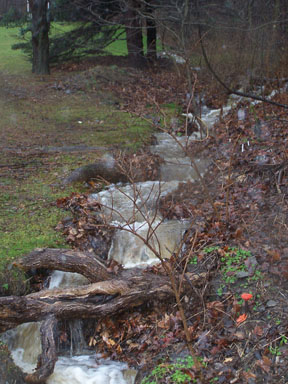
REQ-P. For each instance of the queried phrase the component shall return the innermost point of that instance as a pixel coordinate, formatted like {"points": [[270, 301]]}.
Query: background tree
{"points": [[40, 36]]}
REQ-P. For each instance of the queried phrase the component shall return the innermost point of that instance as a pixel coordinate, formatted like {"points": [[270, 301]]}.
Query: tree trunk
{"points": [[134, 36], [151, 35], [40, 37]]}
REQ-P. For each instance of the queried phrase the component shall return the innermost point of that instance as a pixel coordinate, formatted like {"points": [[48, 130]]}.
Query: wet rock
{"points": [[219, 366], [9, 372], [103, 169]]}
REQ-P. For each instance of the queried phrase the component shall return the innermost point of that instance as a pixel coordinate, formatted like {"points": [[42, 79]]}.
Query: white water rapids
{"points": [[89, 368]]}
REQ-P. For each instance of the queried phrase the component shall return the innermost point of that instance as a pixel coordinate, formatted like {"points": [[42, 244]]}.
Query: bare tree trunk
{"points": [[151, 34], [134, 36], [40, 38]]}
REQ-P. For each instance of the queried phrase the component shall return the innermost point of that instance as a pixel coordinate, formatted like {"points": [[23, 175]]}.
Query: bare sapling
{"points": [[150, 219], [185, 145]]}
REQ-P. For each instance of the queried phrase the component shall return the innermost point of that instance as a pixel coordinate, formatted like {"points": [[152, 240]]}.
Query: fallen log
{"points": [[68, 260], [109, 295]]}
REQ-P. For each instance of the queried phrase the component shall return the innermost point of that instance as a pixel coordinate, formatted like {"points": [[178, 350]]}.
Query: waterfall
{"points": [[81, 366]]}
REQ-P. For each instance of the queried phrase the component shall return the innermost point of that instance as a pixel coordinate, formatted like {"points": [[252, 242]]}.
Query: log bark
{"points": [[95, 300], [108, 295], [48, 357], [68, 260]]}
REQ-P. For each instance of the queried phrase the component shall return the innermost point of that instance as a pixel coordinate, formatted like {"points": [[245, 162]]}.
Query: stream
{"points": [[80, 365]]}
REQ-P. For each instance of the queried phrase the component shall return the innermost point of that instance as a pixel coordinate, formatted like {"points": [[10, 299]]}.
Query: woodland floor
{"points": [[244, 247]]}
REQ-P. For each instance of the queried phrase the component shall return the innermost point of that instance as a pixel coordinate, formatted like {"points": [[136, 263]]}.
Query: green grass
{"points": [[232, 263], [12, 61], [28, 214], [74, 120], [15, 61]]}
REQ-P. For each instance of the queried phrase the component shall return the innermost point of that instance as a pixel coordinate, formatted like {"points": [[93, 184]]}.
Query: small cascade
{"points": [[77, 341], [177, 166], [118, 201], [132, 208], [81, 366], [135, 208], [90, 370], [131, 251], [61, 279], [25, 345]]}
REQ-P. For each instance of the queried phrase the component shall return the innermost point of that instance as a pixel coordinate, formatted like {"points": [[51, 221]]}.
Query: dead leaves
{"points": [[137, 332], [265, 364], [86, 230]]}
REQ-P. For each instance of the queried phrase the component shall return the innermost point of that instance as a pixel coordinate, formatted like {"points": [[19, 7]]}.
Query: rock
{"points": [[261, 159], [271, 303], [9, 372], [122, 169], [103, 169], [242, 274]]}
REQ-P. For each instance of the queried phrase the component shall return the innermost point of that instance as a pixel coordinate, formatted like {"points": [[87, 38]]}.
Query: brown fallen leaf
{"points": [[238, 233], [258, 331], [274, 255], [264, 364]]}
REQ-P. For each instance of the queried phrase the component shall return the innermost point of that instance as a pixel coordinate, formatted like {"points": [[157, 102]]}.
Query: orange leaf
{"points": [[241, 318]]}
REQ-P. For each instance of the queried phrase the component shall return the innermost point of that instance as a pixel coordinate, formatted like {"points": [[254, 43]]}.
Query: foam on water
{"points": [[90, 370], [131, 251], [119, 201]]}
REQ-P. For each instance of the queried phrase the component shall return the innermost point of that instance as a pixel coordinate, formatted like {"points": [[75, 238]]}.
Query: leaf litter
{"points": [[248, 182]]}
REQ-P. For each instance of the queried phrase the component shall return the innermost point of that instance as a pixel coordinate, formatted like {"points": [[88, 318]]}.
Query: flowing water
{"points": [[135, 209]]}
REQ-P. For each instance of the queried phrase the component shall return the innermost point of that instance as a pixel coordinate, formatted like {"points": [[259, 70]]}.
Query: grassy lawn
{"points": [[28, 213], [15, 61], [12, 61], [36, 115]]}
